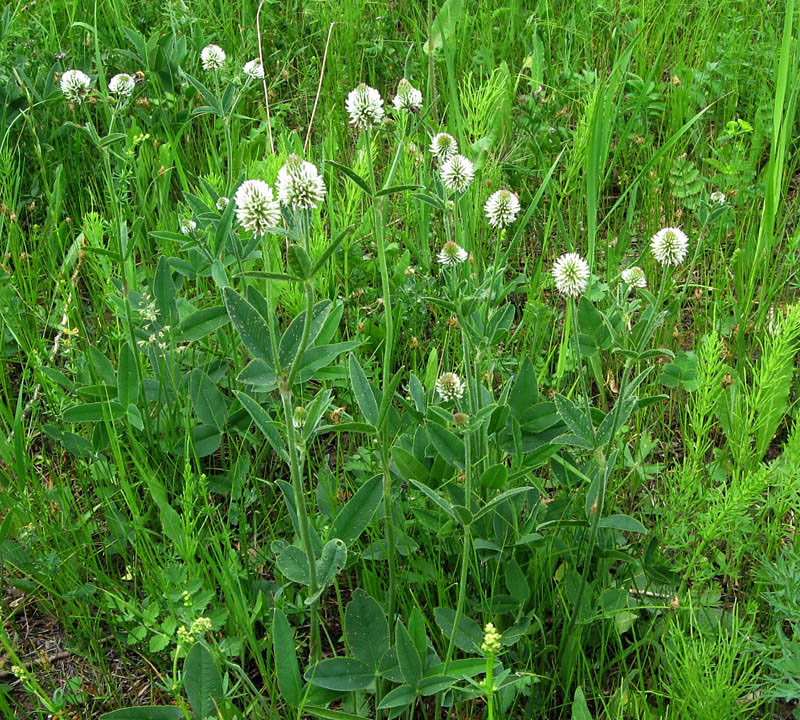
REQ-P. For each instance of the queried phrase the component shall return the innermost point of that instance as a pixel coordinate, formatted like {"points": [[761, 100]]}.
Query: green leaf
{"points": [[501, 498], [437, 499], [516, 582], [525, 393], [293, 563], [594, 334], [164, 294], [495, 477], [354, 517], [363, 391], [145, 712], [449, 446], [209, 403], [407, 656], [251, 326], [326, 714], [290, 340], [344, 674], [443, 25], [469, 636], [580, 710], [366, 629], [408, 466], [201, 323], [288, 673], [575, 420], [353, 175], [330, 250], [264, 423], [299, 261], [202, 681], [334, 556], [682, 371], [396, 189], [127, 377], [622, 522], [399, 697], [94, 412], [223, 229]]}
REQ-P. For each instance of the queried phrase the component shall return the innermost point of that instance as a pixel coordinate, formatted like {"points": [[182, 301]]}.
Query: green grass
{"points": [[616, 488]]}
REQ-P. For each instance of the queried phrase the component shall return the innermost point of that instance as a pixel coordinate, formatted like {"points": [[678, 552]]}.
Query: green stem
{"points": [[467, 546], [380, 241]]}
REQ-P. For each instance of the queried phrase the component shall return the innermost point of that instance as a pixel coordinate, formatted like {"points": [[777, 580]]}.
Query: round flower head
{"points": [[299, 184], [188, 226], [443, 146], [491, 640], [450, 387], [501, 208], [452, 254], [256, 207], [717, 197], [408, 97], [222, 203], [254, 69], [669, 246], [634, 276], [122, 85], [364, 106], [457, 173], [212, 57], [75, 85], [571, 273]]}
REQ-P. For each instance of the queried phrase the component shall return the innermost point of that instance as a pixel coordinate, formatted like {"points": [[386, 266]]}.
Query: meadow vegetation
{"points": [[399, 360]]}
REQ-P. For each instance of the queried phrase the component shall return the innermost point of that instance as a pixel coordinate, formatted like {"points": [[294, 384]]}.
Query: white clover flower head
{"points": [[122, 85], [452, 254], [634, 276], [75, 85], [407, 98], [491, 640], [571, 273], [365, 107], [501, 208], [299, 184], [669, 245], [222, 203], [717, 197], [457, 173], [450, 386], [254, 69], [443, 146], [256, 207], [212, 57], [188, 226]]}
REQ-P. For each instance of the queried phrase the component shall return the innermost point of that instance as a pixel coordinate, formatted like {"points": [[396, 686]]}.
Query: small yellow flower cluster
{"points": [[491, 640]]}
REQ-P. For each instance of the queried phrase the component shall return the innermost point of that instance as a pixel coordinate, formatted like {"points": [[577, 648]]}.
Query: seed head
{"points": [[634, 276], [501, 208], [443, 146], [254, 69], [571, 273], [452, 254], [299, 184], [407, 98], [669, 246], [450, 387], [188, 226], [75, 85], [365, 107], [122, 85], [457, 173], [212, 57], [256, 207]]}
